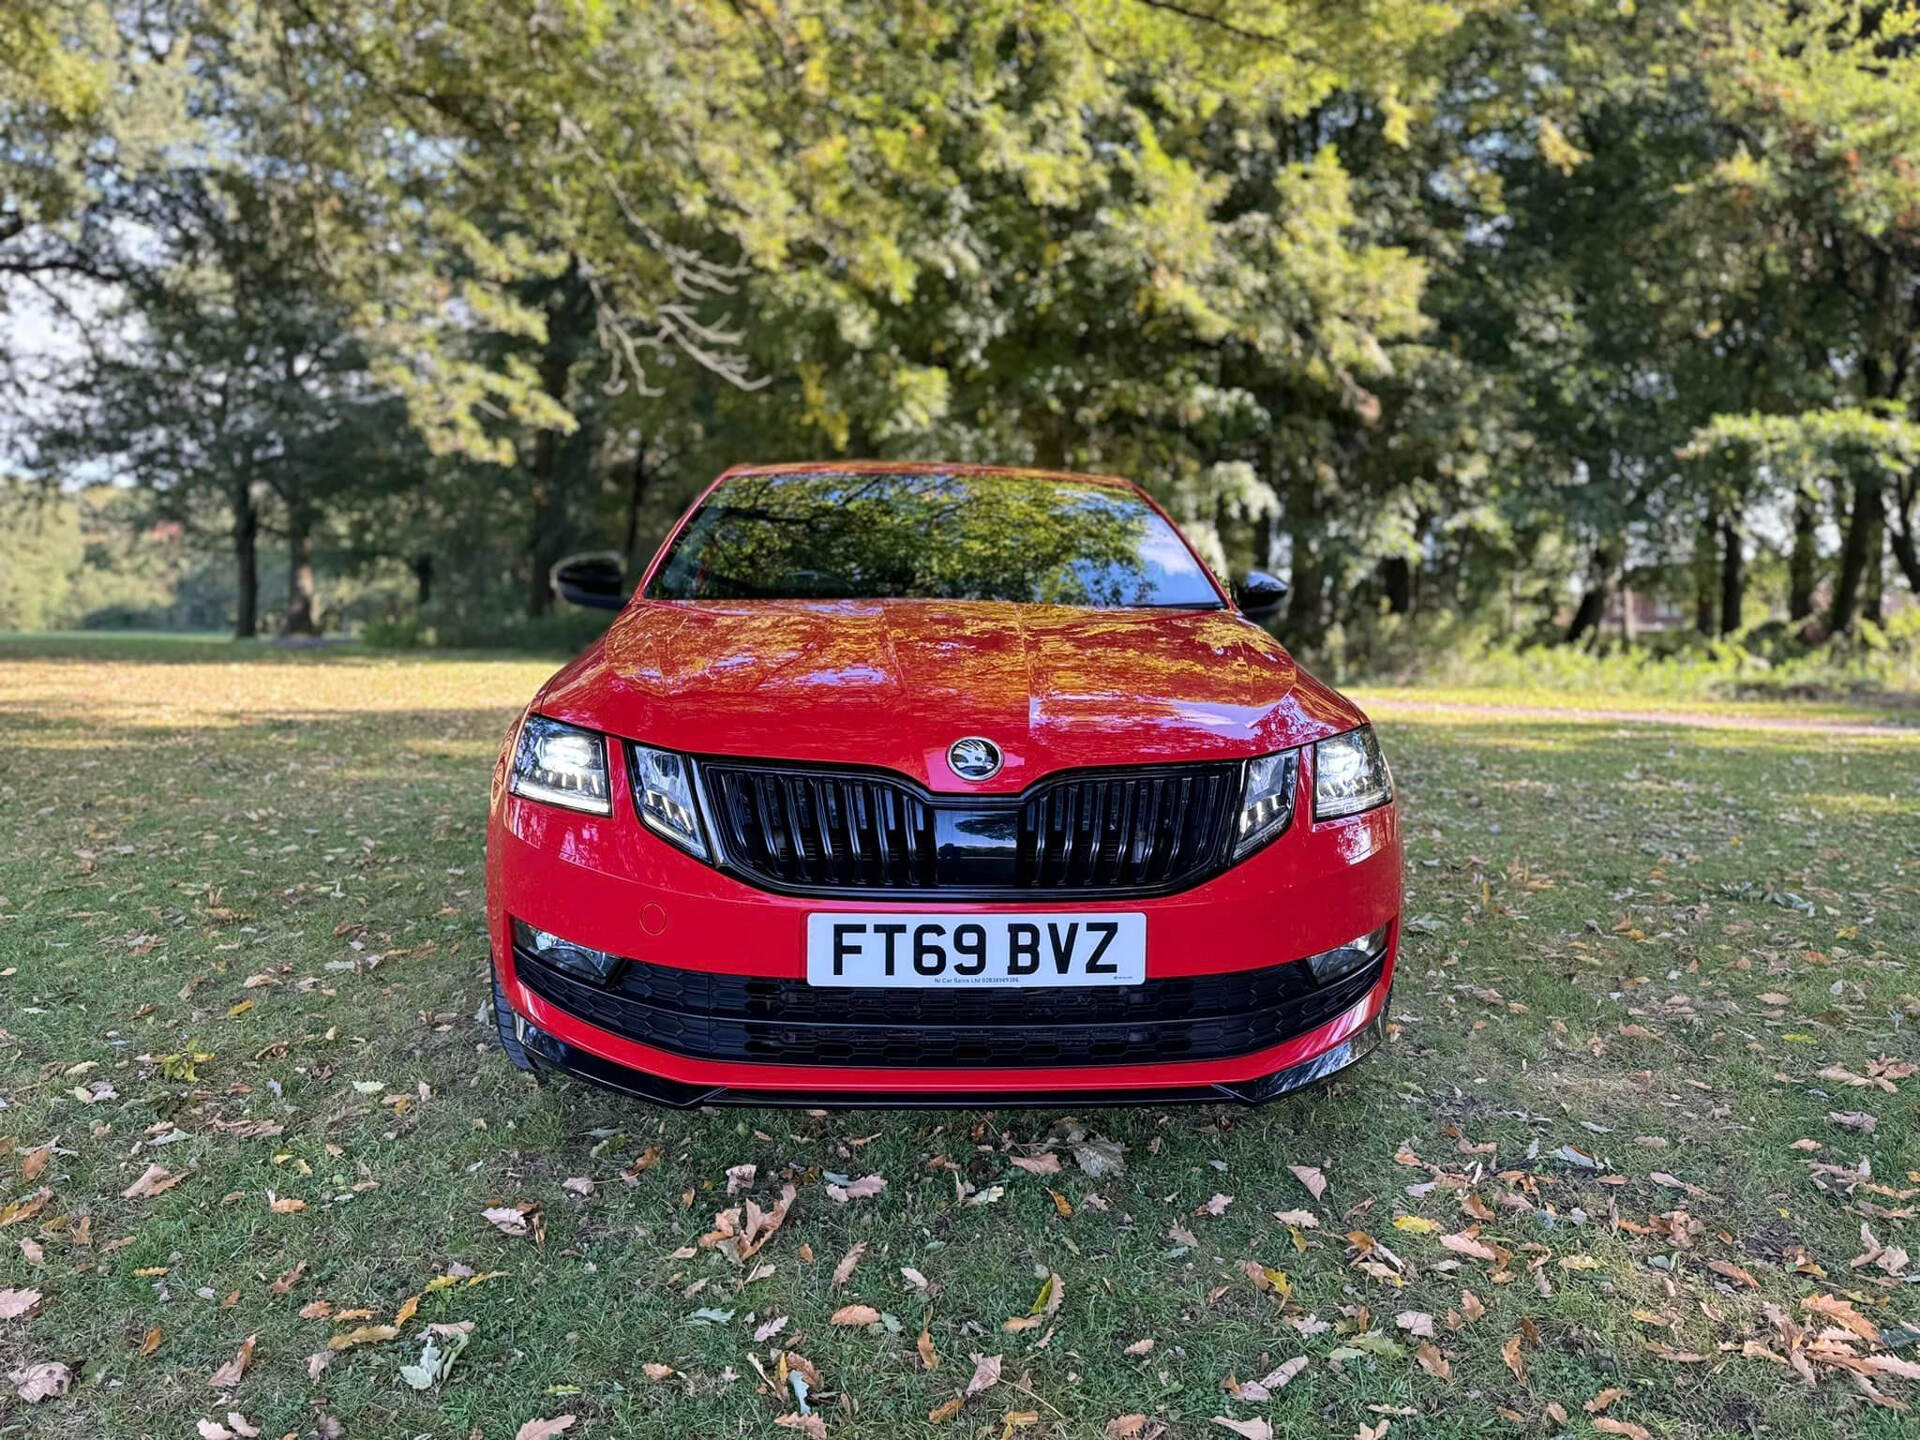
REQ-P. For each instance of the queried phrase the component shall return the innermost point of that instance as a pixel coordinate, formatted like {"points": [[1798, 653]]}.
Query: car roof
{"points": [[921, 467]]}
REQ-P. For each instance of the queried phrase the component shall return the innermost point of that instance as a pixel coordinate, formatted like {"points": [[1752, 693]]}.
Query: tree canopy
{"points": [[1464, 308]]}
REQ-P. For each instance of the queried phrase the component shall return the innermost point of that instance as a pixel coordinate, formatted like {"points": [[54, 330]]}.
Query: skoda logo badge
{"points": [[973, 758]]}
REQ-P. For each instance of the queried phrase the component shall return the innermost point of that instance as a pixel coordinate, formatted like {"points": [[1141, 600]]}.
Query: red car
{"points": [[919, 784]]}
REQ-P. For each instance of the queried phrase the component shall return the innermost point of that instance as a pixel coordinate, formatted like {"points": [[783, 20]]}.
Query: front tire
{"points": [[509, 1036]]}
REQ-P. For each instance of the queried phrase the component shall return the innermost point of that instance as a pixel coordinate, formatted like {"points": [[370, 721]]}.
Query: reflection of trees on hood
{"points": [[953, 537]]}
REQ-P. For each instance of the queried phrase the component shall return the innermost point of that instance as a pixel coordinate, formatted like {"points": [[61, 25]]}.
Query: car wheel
{"points": [[509, 1038]]}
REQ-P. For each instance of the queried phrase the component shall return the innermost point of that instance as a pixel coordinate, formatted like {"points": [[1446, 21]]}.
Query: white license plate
{"points": [[911, 951]]}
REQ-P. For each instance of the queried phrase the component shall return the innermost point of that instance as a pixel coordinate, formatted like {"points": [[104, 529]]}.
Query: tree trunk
{"points": [[1804, 561], [636, 493], [1873, 584], [246, 562], [422, 565], [1705, 562], [1396, 574], [1306, 617], [566, 307], [1862, 534], [299, 619], [1592, 608], [1733, 576], [1900, 533]]}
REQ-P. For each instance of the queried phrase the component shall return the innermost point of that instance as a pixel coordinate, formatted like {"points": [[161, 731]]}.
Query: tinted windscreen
{"points": [[813, 536]]}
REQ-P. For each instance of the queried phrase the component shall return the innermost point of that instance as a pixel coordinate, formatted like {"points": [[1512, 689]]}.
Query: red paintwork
{"points": [[892, 684]]}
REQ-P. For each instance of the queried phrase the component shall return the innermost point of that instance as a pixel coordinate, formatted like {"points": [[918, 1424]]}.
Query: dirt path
{"points": [[1696, 719]]}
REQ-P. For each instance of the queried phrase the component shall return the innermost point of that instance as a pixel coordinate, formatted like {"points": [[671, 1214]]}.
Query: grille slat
{"points": [[858, 832]]}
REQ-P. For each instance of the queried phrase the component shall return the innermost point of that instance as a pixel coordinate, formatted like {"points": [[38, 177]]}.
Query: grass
{"points": [[250, 891]]}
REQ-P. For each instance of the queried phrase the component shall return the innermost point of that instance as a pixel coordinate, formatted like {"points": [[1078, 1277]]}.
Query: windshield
{"points": [[931, 536]]}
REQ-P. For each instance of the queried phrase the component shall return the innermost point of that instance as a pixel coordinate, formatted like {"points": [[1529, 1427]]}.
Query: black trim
{"points": [[551, 1053], [708, 1016], [916, 857]]}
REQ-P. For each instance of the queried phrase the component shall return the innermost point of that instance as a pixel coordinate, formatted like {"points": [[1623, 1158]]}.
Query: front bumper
{"points": [[607, 883]]}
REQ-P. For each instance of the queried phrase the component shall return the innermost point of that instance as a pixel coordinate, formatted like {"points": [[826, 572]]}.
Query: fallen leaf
{"points": [[228, 1375], [1271, 1383], [1312, 1177], [511, 1219], [855, 1315], [543, 1429], [1139, 1347], [1126, 1427], [844, 1270], [1254, 1429], [1433, 1362], [363, 1335], [813, 1426], [1052, 1292], [864, 1188], [1099, 1157], [48, 1380], [1510, 1352], [986, 1374], [15, 1304], [32, 1162], [739, 1177], [1611, 1426], [1603, 1399], [1733, 1272], [1043, 1164], [1415, 1322], [154, 1180], [24, 1208], [1216, 1207]]}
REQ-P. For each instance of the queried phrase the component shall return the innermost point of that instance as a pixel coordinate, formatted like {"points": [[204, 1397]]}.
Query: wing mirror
{"points": [[1259, 595], [597, 580]]}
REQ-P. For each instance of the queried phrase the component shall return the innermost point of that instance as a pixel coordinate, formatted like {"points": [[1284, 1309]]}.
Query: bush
{"points": [[396, 634], [1769, 660]]}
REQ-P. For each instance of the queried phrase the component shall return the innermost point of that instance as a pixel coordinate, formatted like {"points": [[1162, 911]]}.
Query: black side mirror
{"points": [[1259, 594], [597, 581]]}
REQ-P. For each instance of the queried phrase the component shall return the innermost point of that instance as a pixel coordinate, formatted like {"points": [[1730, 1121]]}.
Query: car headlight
{"points": [[1349, 775], [663, 793], [561, 764], [1267, 805]]}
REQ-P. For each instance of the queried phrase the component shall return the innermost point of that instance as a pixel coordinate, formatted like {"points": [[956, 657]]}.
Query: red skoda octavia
{"points": [[921, 784]]}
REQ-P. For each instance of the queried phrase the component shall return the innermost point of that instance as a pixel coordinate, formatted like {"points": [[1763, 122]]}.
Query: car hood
{"points": [[893, 683]]}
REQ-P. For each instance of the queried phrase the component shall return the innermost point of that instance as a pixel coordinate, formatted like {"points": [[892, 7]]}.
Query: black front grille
{"points": [[1141, 831], [788, 1022]]}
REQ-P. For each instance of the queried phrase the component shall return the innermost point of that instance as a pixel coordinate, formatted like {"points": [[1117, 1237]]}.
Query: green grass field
{"points": [[1651, 1076]]}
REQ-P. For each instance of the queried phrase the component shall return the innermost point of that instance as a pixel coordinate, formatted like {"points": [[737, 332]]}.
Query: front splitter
{"points": [[554, 1054]]}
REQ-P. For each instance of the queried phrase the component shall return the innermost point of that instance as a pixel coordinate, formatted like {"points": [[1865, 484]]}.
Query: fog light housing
{"points": [[598, 967], [1343, 960]]}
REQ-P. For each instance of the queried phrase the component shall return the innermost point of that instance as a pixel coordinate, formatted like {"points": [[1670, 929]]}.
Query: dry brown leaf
{"points": [[543, 1429], [17, 1304], [228, 1375], [1602, 1400], [1052, 1292], [1433, 1362], [511, 1219], [1510, 1352], [1139, 1347], [1733, 1272], [151, 1343], [154, 1180], [1126, 1427], [1254, 1429], [1610, 1426], [865, 1188], [855, 1315], [986, 1374], [363, 1335], [1046, 1163], [1470, 1306], [25, 1208], [33, 1161], [1311, 1176], [1416, 1323], [929, 1357], [1271, 1383], [844, 1270], [48, 1380], [814, 1427]]}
